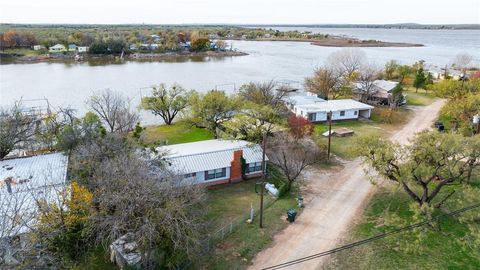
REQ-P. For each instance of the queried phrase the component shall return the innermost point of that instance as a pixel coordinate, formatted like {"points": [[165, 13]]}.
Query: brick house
{"points": [[214, 162]]}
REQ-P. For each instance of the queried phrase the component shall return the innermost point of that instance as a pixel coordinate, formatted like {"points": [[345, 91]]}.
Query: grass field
{"points": [[179, 132], [342, 146], [382, 122], [442, 248], [421, 98], [239, 197], [238, 249], [22, 51]]}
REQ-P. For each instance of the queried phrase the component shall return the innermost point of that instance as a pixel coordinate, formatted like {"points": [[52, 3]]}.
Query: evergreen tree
{"points": [[420, 79]]}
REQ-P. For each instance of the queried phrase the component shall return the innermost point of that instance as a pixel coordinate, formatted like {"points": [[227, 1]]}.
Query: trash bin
{"points": [[439, 125], [291, 214]]}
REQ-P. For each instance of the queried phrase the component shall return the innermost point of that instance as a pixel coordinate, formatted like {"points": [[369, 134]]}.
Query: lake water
{"points": [[71, 84]]}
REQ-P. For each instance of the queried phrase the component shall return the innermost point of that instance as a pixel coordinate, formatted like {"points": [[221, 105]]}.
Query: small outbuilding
{"points": [[82, 49]]}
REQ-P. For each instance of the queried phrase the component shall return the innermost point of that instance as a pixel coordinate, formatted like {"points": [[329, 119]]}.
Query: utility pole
{"points": [[329, 118], [262, 185]]}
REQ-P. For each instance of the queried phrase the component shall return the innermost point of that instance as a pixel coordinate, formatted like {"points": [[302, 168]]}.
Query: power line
{"points": [[365, 241]]}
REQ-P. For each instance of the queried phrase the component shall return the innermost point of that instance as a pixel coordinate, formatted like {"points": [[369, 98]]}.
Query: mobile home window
{"points": [[210, 175], [254, 167], [219, 173], [312, 116], [214, 174], [189, 175], [342, 113], [355, 113]]}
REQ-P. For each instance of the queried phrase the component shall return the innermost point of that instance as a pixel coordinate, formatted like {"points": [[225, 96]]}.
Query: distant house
{"points": [[315, 109], [72, 47], [133, 47], [23, 183], [58, 48], [214, 162], [149, 47], [156, 38], [185, 45], [267, 35], [38, 47], [379, 92], [82, 49], [213, 36]]}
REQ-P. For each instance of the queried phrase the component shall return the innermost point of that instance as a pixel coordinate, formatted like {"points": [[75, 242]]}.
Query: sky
{"points": [[240, 11]]}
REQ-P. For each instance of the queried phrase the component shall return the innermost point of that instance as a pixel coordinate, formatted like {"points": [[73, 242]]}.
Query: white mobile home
{"points": [[315, 109], [214, 162]]}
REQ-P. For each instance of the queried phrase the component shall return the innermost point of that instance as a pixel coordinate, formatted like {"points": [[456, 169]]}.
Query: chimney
{"points": [[236, 166]]}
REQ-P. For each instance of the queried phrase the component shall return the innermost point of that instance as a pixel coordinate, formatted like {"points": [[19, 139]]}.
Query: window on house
{"points": [[214, 174], [254, 167], [355, 113], [312, 116], [190, 175], [342, 113]]}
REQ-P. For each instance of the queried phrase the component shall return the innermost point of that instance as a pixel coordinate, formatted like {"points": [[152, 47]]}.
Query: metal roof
{"points": [[335, 105], [379, 85], [303, 99], [31, 179], [208, 155]]}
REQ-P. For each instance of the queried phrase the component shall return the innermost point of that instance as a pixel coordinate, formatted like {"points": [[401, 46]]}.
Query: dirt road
{"points": [[338, 197]]}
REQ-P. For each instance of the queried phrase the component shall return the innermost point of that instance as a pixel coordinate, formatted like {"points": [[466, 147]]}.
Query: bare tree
{"points": [[347, 61], [156, 207], [293, 156], [114, 110], [366, 78], [16, 128], [462, 60], [134, 194], [327, 82], [264, 93]]}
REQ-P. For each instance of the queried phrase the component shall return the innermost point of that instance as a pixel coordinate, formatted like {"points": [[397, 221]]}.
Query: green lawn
{"points": [[23, 51], [238, 249], [230, 202], [442, 249], [342, 146], [383, 121], [179, 132], [421, 98]]}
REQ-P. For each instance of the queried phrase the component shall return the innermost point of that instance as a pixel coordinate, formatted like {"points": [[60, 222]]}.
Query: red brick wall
{"points": [[236, 167]]}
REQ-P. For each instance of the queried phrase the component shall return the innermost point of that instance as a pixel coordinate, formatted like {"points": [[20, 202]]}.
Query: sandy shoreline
{"points": [[129, 57]]}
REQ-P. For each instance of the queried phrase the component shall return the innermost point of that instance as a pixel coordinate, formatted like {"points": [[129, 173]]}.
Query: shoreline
{"points": [[343, 42], [70, 58]]}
